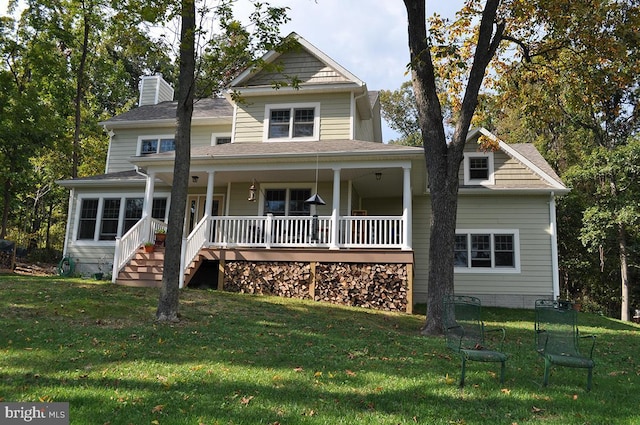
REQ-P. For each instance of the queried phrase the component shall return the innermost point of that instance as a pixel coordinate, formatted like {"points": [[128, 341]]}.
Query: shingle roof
{"points": [[202, 108], [352, 147]]}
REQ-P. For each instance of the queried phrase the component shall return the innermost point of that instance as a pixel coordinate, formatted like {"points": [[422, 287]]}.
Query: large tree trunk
{"points": [[80, 93], [168, 302], [443, 159], [624, 273]]}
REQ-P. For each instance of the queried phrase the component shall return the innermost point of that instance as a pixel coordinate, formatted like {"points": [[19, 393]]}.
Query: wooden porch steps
{"points": [[145, 269]]}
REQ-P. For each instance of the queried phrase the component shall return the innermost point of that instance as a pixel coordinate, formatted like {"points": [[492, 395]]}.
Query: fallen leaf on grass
{"points": [[298, 369], [157, 408], [535, 409], [448, 380], [317, 374], [350, 373], [505, 391], [246, 400], [575, 396]]}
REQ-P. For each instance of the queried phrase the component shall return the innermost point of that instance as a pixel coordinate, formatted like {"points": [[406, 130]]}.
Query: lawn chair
{"points": [[465, 333], [557, 336]]}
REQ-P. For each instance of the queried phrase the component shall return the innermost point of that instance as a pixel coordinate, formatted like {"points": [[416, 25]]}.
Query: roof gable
{"points": [[307, 64], [525, 154]]}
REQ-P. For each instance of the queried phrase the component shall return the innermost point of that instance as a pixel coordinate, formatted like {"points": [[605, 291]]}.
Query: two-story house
{"points": [[293, 193]]}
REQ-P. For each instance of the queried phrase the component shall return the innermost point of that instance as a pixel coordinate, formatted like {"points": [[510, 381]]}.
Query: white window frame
{"points": [[287, 187], [153, 136], [216, 136], [101, 198], [292, 106], [493, 269], [490, 180]]}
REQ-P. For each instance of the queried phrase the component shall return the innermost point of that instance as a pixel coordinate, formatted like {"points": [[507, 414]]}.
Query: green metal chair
{"points": [[465, 333], [557, 338]]}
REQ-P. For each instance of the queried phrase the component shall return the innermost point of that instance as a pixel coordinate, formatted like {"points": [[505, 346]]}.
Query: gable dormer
{"points": [[493, 164], [327, 102]]}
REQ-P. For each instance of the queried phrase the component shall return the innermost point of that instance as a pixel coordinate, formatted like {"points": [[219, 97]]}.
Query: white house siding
{"points": [[363, 129], [421, 218], [508, 172], [382, 206], [530, 216], [88, 255], [124, 143], [334, 115], [511, 173], [305, 67]]}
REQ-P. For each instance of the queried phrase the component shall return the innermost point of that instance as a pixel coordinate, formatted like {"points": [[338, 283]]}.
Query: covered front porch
{"points": [[368, 200]]}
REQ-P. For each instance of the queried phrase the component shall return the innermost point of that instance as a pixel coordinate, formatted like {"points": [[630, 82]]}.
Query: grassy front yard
{"points": [[240, 359]]}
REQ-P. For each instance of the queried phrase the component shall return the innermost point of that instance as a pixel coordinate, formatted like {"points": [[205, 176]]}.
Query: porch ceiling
{"points": [[364, 180]]}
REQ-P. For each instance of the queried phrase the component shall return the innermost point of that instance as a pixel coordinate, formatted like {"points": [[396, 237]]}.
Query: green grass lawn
{"points": [[241, 359]]}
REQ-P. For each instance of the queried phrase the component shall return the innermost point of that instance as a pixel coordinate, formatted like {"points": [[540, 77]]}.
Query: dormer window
{"points": [[292, 122], [151, 145], [478, 169]]}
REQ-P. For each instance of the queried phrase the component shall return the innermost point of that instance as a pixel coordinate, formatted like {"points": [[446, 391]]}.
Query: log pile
{"points": [[376, 286], [35, 269], [290, 280], [7, 260]]}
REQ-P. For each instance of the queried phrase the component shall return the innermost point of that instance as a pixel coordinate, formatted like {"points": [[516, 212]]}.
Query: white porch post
{"points": [[407, 218], [333, 244], [209, 202], [208, 205], [148, 194]]}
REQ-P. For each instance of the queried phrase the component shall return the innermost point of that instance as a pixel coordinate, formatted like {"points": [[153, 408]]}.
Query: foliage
{"points": [[399, 110], [237, 359]]}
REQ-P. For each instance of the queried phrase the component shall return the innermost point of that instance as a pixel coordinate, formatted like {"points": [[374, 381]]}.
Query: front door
{"points": [[195, 210]]}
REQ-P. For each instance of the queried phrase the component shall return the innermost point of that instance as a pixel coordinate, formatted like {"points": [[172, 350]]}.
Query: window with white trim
{"points": [[289, 202], [156, 144], [478, 168], [292, 122], [487, 251], [105, 218]]}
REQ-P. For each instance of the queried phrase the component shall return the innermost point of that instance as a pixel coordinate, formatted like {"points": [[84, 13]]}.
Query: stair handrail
{"points": [[127, 244], [196, 240]]}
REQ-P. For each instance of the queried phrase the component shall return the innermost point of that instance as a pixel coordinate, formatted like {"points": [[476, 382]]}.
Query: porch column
{"points": [[333, 244], [209, 202], [407, 218], [208, 205], [148, 194]]}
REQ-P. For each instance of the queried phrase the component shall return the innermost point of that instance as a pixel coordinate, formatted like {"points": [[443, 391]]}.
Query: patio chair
{"points": [[465, 333], [557, 338]]}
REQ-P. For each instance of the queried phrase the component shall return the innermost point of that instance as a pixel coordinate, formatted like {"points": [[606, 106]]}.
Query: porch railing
{"points": [[269, 232], [128, 244], [275, 231]]}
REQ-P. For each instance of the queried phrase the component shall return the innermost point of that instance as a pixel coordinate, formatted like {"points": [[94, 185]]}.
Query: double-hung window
{"points": [[292, 122], [481, 251], [281, 202], [156, 144], [478, 168], [105, 218]]}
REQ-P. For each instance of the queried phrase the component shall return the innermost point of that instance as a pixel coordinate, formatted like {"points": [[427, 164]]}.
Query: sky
{"points": [[367, 37]]}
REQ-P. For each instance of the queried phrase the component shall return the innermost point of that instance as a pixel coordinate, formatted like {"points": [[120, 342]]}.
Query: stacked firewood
{"points": [[290, 280], [6, 260], [376, 286]]}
